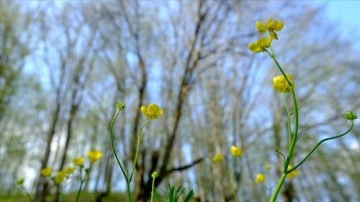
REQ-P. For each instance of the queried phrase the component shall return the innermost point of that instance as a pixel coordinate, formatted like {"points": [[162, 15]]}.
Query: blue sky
{"points": [[347, 13]]}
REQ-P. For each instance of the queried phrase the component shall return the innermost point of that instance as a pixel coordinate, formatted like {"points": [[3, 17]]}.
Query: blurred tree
{"points": [[191, 58], [16, 44]]}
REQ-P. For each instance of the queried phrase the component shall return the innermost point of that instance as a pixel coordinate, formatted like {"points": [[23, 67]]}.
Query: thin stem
{"points": [[128, 180], [81, 184], [152, 189], [137, 148], [113, 145], [318, 144], [278, 187], [79, 190], [296, 129], [288, 124], [128, 190], [27, 194], [296, 111], [59, 193]]}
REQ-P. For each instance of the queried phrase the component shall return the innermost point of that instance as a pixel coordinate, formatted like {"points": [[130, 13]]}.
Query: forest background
{"points": [[64, 65]]}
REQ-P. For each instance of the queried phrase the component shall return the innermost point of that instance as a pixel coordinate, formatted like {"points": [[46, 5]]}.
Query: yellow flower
{"points": [[260, 178], [236, 151], [280, 84], [267, 167], [46, 172], [217, 158], [94, 155], [60, 177], [293, 173], [260, 44], [69, 170], [152, 111], [271, 25], [261, 27], [274, 25], [78, 161]]}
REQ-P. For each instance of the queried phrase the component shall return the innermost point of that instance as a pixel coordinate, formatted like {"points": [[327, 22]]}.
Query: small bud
{"points": [[154, 174], [120, 105], [20, 181], [350, 116]]}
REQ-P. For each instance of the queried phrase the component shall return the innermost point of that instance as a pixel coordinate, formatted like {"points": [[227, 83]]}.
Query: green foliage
{"points": [[69, 197], [173, 194]]}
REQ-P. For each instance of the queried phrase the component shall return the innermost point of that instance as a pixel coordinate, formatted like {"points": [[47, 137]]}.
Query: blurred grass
{"points": [[69, 197]]}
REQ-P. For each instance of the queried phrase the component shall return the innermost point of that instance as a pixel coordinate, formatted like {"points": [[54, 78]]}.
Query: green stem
{"points": [[296, 129], [278, 187], [152, 189], [27, 194], [288, 124], [296, 111], [79, 190], [60, 194], [82, 180], [137, 148], [113, 145], [128, 180], [318, 144]]}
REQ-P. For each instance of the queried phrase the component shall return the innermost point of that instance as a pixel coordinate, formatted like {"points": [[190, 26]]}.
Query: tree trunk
{"points": [[41, 184]]}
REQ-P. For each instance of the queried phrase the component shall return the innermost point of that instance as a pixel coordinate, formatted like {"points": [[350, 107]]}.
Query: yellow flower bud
{"points": [[267, 166], [94, 155], [280, 83], [260, 178], [46, 172], [236, 151], [152, 111], [78, 161], [217, 158]]}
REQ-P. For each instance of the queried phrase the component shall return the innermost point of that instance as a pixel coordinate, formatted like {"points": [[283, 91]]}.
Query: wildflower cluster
{"points": [[59, 176], [271, 26], [62, 175], [151, 112], [285, 83]]}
